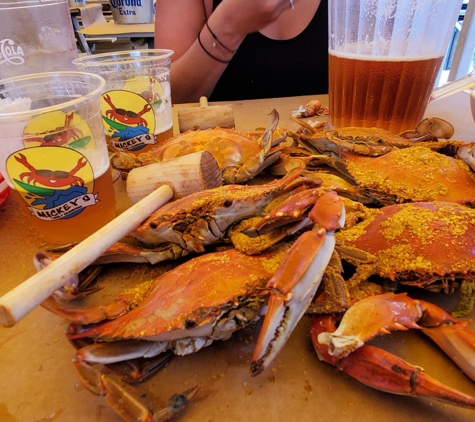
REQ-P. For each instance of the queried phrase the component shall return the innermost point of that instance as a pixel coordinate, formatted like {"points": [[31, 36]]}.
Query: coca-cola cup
{"points": [[36, 36]]}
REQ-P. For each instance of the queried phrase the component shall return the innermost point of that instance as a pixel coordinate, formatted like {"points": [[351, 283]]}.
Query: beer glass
{"points": [[136, 102], [384, 58], [53, 153]]}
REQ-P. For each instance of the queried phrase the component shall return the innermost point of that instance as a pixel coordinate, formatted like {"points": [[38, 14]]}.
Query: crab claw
{"points": [[292, 289], [130, 408], [256, 164], [451, 335], [384, 371], [124, 402], [370, 317]]}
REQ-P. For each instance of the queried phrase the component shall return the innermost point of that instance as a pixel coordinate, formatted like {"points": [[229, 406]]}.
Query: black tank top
{"points": [[266, 68]]}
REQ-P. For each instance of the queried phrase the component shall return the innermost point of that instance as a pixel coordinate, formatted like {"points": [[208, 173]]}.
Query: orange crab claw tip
{"points": [[329, 211], [384, 371], [276, 310]]}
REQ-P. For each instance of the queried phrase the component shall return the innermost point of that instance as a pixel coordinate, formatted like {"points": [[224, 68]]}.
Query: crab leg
{"points": [[384, 371], [258, 163], [123, 402], [294, 285], [370, 317], [451, 335], [131, 408], [382, 313]]}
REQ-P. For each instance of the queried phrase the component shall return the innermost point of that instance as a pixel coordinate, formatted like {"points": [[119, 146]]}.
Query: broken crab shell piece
{"points": [[430, 128]]}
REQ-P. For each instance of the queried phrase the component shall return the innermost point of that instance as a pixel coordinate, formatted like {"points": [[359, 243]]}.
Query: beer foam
{"points": [[379, 58]]}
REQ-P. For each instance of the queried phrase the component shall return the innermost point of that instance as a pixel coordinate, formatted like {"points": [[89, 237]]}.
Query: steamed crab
{"points": [[239, 156], [423, 245], [190, 224], [205, 299], [378, 167], [428, 245]]}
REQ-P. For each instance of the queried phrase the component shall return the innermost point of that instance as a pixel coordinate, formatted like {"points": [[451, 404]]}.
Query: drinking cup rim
{"points": [[123, 57], [52, 77]]}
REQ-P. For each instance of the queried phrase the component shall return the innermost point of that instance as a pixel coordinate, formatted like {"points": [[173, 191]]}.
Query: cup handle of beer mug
{"points": [[450, 88]]}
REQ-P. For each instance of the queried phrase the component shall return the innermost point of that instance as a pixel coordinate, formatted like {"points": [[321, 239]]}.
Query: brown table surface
{"points": [[38, 383]]}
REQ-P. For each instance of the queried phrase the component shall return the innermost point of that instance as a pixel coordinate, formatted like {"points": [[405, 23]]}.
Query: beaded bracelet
{"points": [[209, 54], [217, 40]]}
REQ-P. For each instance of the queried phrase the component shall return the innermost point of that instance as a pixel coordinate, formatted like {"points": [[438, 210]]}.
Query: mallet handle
{"points": [[28, 295]]}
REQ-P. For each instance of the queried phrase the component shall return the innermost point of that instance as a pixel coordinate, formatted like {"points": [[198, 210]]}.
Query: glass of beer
{"points": [[53, 153], [136, 102], [384, 59]]}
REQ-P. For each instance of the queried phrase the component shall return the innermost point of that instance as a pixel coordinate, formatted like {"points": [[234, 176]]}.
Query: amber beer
{"points": [[161, 137], [391, 93], [79, 227]]}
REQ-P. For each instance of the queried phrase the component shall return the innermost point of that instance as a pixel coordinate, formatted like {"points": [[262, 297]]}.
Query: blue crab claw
{"points": [[292, 289], [256, 164], [130, 408], [127, 404]]}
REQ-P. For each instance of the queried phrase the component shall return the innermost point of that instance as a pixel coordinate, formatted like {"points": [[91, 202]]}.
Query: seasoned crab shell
{"points": [[413, 174], [425, 244]]}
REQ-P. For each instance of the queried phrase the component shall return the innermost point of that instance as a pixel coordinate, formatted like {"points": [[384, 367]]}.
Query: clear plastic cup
{"points": [[384, 58], [53, 153], [36, 36], [136, 102]]}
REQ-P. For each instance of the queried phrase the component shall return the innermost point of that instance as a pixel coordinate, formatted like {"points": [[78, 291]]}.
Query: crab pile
{"points": [[246, 250]]}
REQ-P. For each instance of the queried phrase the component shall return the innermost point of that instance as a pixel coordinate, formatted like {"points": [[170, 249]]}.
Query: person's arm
{"points": [[177, 24]]}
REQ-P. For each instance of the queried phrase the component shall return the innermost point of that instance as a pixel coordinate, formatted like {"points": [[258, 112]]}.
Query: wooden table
{"points": [[38, 383]]}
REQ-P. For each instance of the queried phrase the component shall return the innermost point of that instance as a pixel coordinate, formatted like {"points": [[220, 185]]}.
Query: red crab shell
{"points": [[418, 243], [229, 147], [413, 174], [189, 299]]}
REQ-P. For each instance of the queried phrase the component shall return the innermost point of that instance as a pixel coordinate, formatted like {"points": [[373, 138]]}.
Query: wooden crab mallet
{"points": [[183, 176], [17, 303]]}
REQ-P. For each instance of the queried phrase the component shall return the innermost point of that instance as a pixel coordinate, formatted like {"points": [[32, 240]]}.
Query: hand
{"points": [[243, 16]]}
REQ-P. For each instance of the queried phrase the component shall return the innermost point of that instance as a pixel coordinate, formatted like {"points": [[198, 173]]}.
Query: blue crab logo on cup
{"points": [[56, 183], [132, 11], [129, 120]]}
